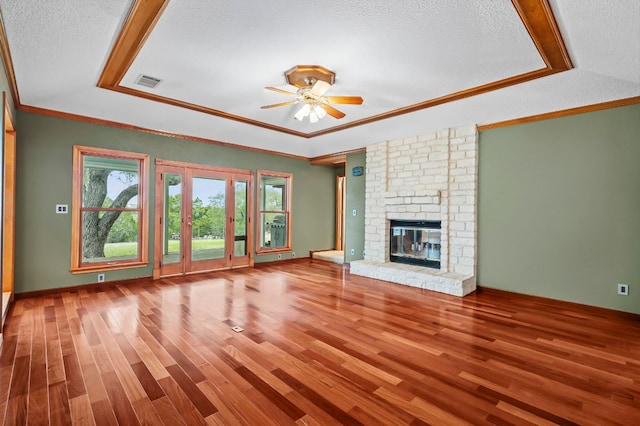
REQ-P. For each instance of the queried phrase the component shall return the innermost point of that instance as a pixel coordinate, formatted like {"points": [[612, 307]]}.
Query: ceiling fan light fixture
{"points": [[303, 112], [312, 82], [320, 112]]}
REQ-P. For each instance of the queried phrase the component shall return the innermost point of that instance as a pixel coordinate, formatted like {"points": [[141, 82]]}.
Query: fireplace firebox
{"points": [[415, 242]]}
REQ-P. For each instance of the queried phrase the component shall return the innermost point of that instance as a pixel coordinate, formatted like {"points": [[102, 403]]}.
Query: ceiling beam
{"points": [[141, 20], [8, 65]]}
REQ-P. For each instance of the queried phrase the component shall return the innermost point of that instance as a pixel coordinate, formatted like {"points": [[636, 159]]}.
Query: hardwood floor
{"points": [[319, 347]]}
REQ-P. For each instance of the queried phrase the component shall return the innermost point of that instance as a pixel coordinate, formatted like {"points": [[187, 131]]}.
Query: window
{"points": [[110, 201], [275, 211]]}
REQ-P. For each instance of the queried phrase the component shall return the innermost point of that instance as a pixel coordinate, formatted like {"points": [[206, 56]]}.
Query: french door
{"points": [[203, 217]]}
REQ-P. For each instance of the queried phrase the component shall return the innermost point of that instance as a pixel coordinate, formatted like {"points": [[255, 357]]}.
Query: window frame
{"points": [[287, 210], [77, 265]]}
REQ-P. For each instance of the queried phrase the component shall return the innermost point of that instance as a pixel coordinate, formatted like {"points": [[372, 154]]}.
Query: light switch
{"points": [[62, 208], [355, 212]]}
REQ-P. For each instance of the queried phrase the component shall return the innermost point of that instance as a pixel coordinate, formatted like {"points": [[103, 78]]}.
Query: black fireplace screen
{"points": [[415, 242]]}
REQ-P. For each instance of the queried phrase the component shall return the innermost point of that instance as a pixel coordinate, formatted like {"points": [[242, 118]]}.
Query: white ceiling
{"points": [[393, 53]]}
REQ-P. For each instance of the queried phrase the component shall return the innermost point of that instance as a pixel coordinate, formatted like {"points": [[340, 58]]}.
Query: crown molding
{"points": [[562, 113], [101, 122], [8, 64]]}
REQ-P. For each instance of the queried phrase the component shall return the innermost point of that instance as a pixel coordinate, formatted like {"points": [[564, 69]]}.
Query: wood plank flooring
{"points": [[319, 347]]}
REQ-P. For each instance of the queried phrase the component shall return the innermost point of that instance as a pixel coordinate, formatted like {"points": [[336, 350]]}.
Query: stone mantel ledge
{"points": [[412, 197], [416, 276]]}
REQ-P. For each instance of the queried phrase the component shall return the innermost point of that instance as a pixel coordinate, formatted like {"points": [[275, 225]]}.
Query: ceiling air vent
{"points": [[147, 81]]}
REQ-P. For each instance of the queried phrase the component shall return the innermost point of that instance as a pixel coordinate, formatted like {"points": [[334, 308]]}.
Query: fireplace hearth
{"points": [[415, 242]]}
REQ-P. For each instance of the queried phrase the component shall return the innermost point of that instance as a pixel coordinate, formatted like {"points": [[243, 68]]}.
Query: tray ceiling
{"points": [[420, 66]]}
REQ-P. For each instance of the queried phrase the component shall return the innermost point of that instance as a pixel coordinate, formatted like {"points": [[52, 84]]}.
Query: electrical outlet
{"points": [[353, 252], [237, 329], [623, 289], [293, 254], [100, 278], [279, 256]]}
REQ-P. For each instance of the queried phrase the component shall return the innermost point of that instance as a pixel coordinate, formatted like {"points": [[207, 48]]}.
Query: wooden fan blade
{"points": [[285, 92], [280, 104], [332, 111], [352, 100], [320, 88]]}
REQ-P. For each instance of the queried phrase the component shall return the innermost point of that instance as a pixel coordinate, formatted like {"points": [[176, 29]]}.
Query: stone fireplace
{"points": [[430, 178]]}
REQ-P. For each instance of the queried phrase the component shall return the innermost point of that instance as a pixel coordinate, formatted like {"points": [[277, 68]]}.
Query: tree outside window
{"points": [[109, 209]]}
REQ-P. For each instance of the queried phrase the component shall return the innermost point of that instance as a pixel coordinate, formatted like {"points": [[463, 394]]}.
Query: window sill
{"points": [[99, 267], [272, 250]]}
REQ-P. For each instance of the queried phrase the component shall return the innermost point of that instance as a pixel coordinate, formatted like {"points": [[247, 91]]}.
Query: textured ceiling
{"points": [[378, 56], [220, 55]]}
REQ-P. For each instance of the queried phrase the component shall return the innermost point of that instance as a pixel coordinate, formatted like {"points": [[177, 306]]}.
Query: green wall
{"points": [[354, 225], [558, 202], [44, 176], [559, 208]]}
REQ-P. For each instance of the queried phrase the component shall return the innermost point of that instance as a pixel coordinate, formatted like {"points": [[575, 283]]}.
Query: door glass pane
{"points": [[240, 230], [173, 218], [208, 218]]}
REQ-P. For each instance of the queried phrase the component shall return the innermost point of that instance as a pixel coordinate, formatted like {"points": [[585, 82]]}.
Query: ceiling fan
{"points": [[313, 81]]}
